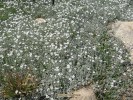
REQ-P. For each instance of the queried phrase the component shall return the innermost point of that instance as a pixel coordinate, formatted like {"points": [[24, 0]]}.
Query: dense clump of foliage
{"points": [[20, 84], [70, 49]]}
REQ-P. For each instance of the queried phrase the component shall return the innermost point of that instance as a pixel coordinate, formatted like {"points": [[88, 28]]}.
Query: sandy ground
{"points": [[85, 93], [123, 30]]}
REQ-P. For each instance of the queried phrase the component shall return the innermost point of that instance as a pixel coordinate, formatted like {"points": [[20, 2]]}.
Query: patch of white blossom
{"points": [[66, 50]]}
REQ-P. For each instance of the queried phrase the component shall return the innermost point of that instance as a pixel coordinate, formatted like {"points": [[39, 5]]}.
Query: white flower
{"points": [[70, 70], [59, 74], [73, 76], [68, 66], [12, 67], [124, 74], [56, 69], [10, 53], [16, 92], [47, 96], [22, 65], [1, 56], [70, 79], [43, 70]]}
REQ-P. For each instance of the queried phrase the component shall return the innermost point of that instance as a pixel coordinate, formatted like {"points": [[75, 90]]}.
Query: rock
{"points": [[123, 30], [84, 93], [40, 20]]}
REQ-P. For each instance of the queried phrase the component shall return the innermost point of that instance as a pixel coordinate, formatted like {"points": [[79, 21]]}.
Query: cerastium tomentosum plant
{"points": [[71, 48]]}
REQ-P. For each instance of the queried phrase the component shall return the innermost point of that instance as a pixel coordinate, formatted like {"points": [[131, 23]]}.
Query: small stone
{"points": [[84, 93], [40, 20]]}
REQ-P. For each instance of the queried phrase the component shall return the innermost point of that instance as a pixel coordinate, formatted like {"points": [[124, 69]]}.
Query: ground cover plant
{"points": [[70, 49]]}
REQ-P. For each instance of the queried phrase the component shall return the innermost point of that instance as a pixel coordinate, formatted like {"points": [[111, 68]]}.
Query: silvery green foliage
{"points": [[71, 49]]}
